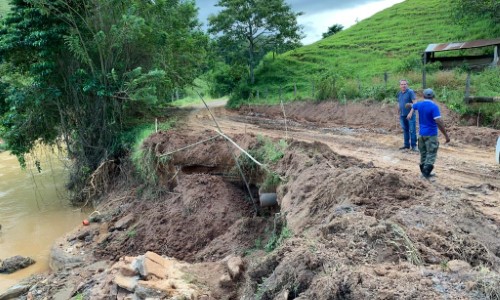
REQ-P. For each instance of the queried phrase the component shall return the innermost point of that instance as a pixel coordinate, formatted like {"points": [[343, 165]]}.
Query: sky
{"points": [[318, 14]]}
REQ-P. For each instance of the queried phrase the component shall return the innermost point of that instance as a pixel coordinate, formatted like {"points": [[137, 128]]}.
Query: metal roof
{"points": [[461, 45]]}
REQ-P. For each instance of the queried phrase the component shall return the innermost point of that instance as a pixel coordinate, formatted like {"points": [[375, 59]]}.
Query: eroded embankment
{"points": [[358, 231], [344, 229]]}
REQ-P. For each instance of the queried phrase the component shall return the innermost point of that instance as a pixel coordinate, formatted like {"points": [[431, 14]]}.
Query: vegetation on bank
{"points": [[86, 73], [89, 74], [367, 60]]}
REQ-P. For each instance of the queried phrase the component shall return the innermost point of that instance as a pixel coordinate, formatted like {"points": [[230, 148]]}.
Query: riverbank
{"points": [[353, 220], [33, 213]]}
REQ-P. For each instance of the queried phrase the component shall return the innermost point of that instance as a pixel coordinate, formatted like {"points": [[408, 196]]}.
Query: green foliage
{"points": [[328, 87], [91, 68], [224, 78], [266, 152], [277, 239], [465, 10], [333, 30], [78, 296], [270, 183], [351, 64], [259, 25], [271, 152], [144, 159]]}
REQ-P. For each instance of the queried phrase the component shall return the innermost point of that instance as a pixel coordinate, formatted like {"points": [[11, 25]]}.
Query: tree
{"points": [[83, 70], [333, 30], [255, 24]]}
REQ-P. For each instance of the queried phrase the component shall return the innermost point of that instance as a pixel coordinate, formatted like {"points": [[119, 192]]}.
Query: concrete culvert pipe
{"points": [[268, 199]]}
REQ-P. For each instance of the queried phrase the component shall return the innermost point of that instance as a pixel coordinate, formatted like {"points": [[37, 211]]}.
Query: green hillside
{"points": [[352, 63]]}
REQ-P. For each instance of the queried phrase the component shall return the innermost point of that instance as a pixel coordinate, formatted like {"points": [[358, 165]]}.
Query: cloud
{"points": [[316, 24], [318, 15], [312, 7]]}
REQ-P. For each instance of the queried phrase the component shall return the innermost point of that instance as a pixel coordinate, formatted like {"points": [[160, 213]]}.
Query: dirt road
{"points": [[467, 166]]}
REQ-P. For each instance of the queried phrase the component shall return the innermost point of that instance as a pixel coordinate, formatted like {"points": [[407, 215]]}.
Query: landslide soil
{"points": [[360, 222]]}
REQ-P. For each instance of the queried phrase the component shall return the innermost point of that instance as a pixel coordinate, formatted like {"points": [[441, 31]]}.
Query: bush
{"points": [[410, 63], [349, 90], [240, 94], [448, 79], [379, 92], [328, 87]]}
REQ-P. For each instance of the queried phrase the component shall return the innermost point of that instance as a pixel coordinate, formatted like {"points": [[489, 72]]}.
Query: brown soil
{"points": [[354, 221]]}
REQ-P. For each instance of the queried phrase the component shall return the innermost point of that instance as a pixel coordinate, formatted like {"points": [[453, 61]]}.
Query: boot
{"points": [[422, 169], [426, 170]]}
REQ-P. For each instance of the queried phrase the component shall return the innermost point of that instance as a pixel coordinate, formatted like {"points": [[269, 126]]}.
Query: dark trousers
{"points": [[428, 147]]}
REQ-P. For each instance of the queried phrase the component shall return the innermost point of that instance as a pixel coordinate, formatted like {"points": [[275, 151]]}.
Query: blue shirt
{"points": [[428, 112], [407, 97]]}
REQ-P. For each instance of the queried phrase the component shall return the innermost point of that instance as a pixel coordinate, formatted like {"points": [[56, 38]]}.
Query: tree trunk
{"points": [[250, 61]]}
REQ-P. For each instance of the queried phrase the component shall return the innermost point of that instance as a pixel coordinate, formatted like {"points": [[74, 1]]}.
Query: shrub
{"points": [[328, 87], [449, 79]]}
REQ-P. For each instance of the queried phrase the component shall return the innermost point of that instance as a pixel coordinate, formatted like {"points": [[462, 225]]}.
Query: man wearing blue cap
{"points": [[429, 120]]}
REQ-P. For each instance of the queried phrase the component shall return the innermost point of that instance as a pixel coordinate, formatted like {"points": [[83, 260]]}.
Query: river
{"points": [[34, 211]]}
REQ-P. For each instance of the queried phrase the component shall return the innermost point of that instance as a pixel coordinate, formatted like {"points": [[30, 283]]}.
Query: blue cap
{"points": [[428, 93]]}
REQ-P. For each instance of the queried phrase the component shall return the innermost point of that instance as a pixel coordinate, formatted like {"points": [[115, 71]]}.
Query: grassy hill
{"points": [[352, 63]]}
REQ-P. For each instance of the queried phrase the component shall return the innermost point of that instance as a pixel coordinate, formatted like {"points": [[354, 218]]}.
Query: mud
{"points": [[354, 220]]}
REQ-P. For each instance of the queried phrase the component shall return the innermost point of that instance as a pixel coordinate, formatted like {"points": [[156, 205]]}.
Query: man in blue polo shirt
{"points": [[429, 121], [407, 118]]}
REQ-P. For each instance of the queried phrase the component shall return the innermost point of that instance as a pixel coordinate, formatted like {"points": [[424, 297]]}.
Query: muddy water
{"points": [[33, 212]]}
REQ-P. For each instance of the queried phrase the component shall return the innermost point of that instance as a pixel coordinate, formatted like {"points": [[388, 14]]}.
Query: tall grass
{"points": [[144, 159]]}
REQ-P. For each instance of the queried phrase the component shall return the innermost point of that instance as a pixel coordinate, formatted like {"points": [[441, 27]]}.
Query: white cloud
{"points": [[316, 24]]}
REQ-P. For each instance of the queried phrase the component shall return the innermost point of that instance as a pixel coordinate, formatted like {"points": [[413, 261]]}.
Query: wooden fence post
{"points": [[467, 88]]}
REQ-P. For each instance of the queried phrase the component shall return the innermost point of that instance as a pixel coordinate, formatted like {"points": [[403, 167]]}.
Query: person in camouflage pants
{"points": [[429, 120]]}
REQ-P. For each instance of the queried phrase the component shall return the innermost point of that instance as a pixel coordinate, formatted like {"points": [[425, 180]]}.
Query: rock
{"points": [[458, 266], [63, 294], [126, 269], [60, 260], [380, 271], [225, 281], [98, 267], [128, 283], [235, 266], [14, 292], [124, 222], [426, 281], [470, 285], [153, 265], [12, 264], [283, 295], [143, 292]]}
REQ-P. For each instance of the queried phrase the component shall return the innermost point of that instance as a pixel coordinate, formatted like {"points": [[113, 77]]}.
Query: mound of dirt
{"points": [[368, 115], [363, 232]]}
